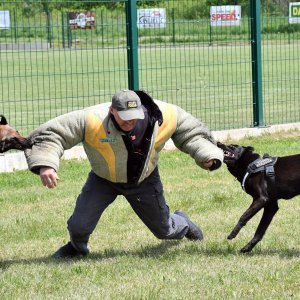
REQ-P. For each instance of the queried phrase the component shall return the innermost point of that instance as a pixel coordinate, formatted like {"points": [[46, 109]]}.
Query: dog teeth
{"points": [[229, 154]]}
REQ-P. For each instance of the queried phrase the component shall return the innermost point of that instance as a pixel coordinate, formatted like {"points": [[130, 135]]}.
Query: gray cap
{"points": [[128, 104]]}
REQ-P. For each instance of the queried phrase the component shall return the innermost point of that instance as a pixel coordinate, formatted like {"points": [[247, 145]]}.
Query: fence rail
{"points": [[48, 68]]}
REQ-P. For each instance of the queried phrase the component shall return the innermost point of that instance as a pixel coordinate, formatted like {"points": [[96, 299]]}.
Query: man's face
{"points": [[124, 125]]}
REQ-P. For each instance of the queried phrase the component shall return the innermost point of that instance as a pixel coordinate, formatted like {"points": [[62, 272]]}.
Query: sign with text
{"points": [[82, 20], [294, 12], [225, 15], [151, 18], [4, 19]]}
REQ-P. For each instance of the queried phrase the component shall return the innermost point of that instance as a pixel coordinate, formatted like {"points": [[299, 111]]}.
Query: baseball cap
{"points": [[128, 104]]}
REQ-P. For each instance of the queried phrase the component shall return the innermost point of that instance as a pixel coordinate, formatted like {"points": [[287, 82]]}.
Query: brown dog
{"points": [[10, 138], [266, 179]]}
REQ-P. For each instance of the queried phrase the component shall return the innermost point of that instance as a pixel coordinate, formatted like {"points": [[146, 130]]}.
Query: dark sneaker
{"points": [[194, 232], [67, 251]]}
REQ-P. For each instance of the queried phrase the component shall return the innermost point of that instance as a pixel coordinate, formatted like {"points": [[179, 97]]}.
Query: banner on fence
{"points": [[151, 18], [225, 15], [82, 20], [4, 19], [294, 12]]}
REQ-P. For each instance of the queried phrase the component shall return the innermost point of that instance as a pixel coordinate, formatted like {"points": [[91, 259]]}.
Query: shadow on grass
{"points": [[191, 248], [148, 251], [284, 253]]}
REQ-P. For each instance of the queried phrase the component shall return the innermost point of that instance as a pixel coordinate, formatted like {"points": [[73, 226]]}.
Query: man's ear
{"points": [[111, 110]]}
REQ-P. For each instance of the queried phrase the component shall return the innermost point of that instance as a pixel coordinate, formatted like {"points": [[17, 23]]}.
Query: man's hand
{"points": [[212, 164], [207, 164], [49, 177]]}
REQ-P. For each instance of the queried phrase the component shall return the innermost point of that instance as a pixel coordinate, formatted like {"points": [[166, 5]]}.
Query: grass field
{"points": [[127, 261]]}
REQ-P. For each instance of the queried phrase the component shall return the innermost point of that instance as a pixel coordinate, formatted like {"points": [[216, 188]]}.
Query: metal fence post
{"points": [[15, 26], [48, 27], [173, 26], [63, 28], [258, 114], [102, 29], [69, 32], [132, 45]]}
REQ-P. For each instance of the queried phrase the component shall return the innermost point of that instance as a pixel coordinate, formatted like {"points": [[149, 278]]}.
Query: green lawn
{"points": [[127, 261]]}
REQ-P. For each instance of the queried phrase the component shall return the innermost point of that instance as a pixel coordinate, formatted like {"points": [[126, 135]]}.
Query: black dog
{"points": [[10, 138], [266, 179]]}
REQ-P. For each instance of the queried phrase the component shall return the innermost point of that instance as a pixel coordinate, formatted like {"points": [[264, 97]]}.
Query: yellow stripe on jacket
{"points": [[168, 126], [94, 133]]}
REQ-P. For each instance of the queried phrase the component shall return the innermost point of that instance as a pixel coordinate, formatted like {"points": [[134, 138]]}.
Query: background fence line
{"points": [[47, 68]]}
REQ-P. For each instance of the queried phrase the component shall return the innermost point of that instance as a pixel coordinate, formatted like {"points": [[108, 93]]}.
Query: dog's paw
{"points": [[246, 249], [232, 235]]}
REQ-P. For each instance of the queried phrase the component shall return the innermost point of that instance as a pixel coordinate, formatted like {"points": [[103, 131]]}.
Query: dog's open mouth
{"points": [[228, 154]]}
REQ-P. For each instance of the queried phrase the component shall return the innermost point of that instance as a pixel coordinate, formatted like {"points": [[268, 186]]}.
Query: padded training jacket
{"points": [[104, 145]]}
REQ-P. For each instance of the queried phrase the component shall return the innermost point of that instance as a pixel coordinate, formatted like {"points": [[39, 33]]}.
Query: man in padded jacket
{"points": [[122, 140]]}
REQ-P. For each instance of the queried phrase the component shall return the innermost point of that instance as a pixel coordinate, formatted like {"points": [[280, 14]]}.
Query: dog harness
{"points": [[265, 164]]}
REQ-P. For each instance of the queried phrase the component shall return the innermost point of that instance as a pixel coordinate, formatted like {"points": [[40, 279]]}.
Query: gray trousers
{"points": [[146, 199]]}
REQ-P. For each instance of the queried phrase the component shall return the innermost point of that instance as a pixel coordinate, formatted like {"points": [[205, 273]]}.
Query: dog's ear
{"points": [[3, 120], [249, 148], [220, 145]]}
